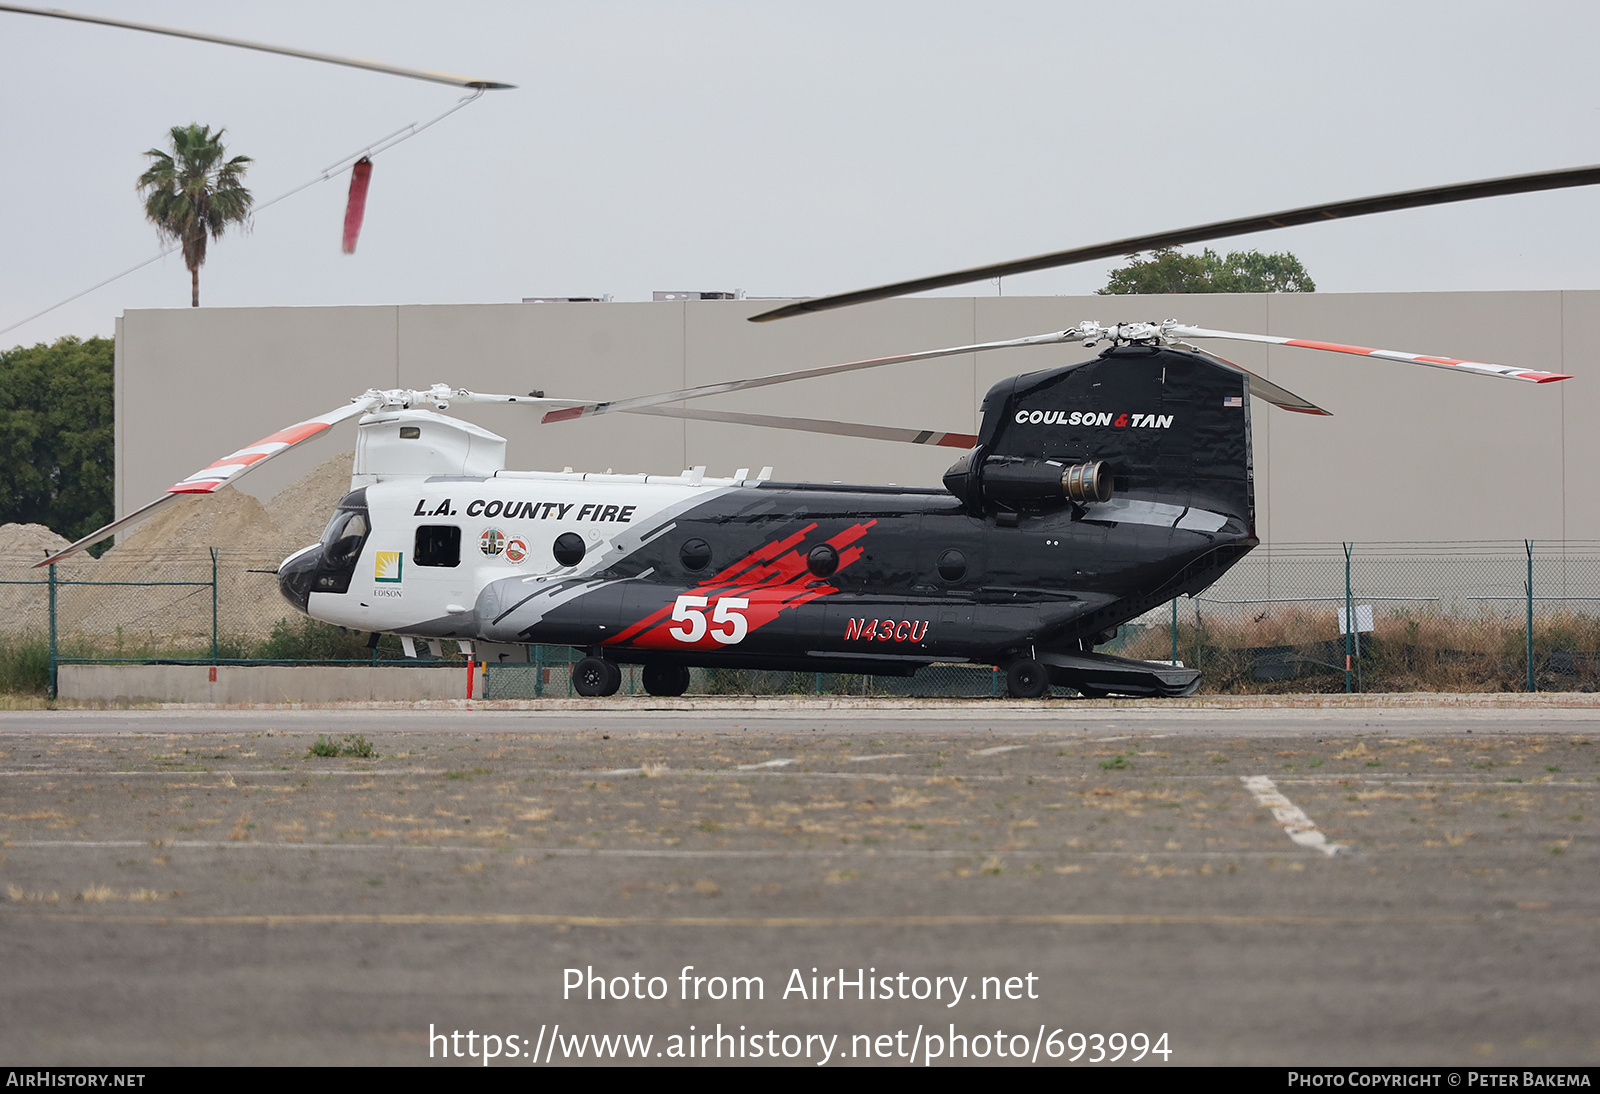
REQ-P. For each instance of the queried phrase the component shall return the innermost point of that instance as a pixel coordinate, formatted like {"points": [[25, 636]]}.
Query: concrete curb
{"points": [[757, 704]]}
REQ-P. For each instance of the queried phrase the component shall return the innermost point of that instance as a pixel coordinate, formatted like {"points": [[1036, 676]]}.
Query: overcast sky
{"points": [[792, 148]]}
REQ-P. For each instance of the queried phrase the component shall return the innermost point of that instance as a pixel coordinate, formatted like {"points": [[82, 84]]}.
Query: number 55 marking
{"points": [[690, 611]]}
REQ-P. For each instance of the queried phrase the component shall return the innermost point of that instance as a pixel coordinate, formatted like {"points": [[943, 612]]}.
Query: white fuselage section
{"points": [[508, 525]]}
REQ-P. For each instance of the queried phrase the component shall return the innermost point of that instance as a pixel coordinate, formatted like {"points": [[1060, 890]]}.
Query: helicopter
{"points": [[1092, 493]]}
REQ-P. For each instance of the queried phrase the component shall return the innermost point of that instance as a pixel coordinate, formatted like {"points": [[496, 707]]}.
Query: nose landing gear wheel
{"points": [[594, 677], [665, 680], [1027, 679]]}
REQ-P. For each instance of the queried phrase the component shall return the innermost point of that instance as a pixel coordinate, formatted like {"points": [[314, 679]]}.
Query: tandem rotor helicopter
{"points": [[1091, 494]]}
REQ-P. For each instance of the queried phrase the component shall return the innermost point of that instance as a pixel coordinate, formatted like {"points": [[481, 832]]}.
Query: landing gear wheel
{"points": [[594, 677], [1027, 679], [666, 680]]}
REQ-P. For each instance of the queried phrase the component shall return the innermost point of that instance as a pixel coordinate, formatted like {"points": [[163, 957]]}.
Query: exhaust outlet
{"points": [[1084, 482]]}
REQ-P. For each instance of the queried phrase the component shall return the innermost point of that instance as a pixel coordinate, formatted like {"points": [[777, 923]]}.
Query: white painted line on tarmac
{"points": [[996, 750], [1296, 825], [880, 756], [762, 764]]}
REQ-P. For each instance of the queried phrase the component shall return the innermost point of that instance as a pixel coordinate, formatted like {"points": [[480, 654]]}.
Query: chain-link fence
{"points": [[1459, 616]]}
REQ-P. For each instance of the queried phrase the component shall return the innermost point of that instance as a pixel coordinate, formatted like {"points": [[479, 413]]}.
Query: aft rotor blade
{"points": [[210, 479], [1339, 210], [587, 409], [306, 54], [1263, 388], [1482, 368], [816, 425]]}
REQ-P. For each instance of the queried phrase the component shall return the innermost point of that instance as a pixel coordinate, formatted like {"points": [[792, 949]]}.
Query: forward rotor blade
{"points": [[1482, 368], [1383, 203], [208, 480], [109, 530], [587, 409], [816, 425], [326, 58]]}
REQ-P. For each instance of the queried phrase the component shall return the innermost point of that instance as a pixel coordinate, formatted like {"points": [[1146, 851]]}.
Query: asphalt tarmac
{"points": [[1354, 886]]}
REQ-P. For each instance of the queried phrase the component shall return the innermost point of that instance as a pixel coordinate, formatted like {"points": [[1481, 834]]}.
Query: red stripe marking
{"points": [[295, 433], [1334, 346], [958, 440], [231, 461], [562, 415], [287, 437], [772, 578], [196, 487], [1544, 377]]}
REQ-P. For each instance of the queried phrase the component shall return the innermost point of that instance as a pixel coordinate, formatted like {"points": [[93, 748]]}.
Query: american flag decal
{"points": [[1233, 400]]}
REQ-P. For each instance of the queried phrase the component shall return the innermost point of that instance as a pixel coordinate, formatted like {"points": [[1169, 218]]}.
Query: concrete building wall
{"points": [[1410, 454]]}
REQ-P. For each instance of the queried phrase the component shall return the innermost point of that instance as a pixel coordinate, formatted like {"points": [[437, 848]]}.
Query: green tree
{"points": [[1170, 270], [192, 192], [56, 454]]}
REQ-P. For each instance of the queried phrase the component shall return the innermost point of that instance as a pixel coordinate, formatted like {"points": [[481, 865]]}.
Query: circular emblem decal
{"points": [[492, 541], [516, 550]]}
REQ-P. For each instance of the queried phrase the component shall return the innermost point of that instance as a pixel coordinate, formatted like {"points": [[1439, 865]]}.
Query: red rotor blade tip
{"points": [[356, 208]]}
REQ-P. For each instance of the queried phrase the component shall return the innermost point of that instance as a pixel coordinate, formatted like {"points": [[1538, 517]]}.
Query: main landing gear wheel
{"points": [[594, 677], [1027, 679], [667, 680]]}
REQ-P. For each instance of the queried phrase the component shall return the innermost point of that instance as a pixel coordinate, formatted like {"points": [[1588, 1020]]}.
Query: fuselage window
{"points": [[437, 545]]}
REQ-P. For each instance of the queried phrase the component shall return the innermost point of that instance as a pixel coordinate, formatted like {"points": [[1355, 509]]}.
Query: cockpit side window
{"points": [[344, 537], [342, 541]]}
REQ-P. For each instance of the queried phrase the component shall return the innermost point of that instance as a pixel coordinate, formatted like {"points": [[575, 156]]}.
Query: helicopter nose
{"points": [[295, 574]]}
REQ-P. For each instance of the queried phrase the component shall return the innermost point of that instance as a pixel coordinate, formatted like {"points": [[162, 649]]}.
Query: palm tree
{"points": [[192, 191]]}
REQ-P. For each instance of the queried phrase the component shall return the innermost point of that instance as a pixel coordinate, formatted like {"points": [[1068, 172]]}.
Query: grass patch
{"points": [[357, 746]]}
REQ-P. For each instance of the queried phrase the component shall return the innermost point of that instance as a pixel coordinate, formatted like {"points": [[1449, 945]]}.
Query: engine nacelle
{"points": [[1022, 482]]}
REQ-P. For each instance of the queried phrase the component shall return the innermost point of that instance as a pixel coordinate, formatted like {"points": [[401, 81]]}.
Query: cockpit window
{"points": [[346, 534]]}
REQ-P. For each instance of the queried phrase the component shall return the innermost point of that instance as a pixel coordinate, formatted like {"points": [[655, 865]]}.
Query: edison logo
{"points": [[386, 567]]}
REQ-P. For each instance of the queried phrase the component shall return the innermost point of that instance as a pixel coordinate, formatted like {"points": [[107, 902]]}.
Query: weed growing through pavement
{"points": [[357, 746]]}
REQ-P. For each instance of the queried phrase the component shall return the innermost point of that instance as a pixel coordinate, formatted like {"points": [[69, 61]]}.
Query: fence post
{"points": [[1174, 630], [538, 672], [213, 606], [1349, 617], [52, 630], [1528, 544]]}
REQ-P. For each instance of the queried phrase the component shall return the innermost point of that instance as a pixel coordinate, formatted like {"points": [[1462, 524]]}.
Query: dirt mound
{"points": [[302, 508], [185, 530], [24, 594], [27, 543], [174, 548]]}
